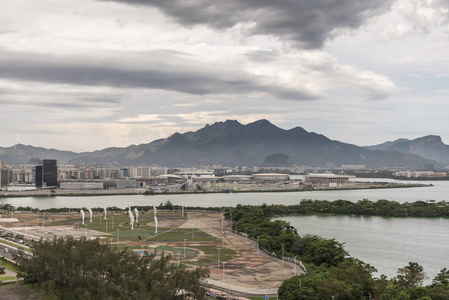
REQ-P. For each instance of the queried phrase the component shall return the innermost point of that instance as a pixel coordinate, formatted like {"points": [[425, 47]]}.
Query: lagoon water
{"points": [[385, 243], [439, 191]]}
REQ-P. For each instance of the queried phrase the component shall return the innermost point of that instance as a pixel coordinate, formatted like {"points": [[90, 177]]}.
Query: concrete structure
{"points": [[126, 183], [415, 174], [328, 179], [206, 178], [82, 185], [20, 188], [238, 178], [170, 178], [194, 174], [270, 177]]}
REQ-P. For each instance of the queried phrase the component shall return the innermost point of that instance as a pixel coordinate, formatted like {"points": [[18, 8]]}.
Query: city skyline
{"points": [[84, 75]]}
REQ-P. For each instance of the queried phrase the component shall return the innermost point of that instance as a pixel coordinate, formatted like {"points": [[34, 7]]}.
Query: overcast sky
{"points": [[83, 75]]}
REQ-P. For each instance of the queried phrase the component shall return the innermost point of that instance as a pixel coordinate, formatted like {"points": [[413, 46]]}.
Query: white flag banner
{"points": [[90, 213], [105, 211], [131, 220], [82, 215], [155, 217], [137, 214]]}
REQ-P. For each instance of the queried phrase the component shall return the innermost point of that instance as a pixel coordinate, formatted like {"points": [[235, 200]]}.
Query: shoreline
{"points": [[124, 192]]}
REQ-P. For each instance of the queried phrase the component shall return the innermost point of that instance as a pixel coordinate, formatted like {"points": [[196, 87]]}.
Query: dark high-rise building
{"points": [[4, 178], [37, 176], [50, 172], [46, 174]]}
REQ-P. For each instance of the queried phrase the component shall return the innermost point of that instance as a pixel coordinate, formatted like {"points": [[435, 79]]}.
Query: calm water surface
{"points": [[437, 192], [385, 243]]}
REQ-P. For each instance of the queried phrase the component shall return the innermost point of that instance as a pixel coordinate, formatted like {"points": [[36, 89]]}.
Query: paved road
{"points": [[7, 251]]}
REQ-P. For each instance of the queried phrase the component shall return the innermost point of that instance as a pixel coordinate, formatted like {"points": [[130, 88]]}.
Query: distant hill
{"points": [[23, 154], [430, 147], [277, 160], [231, 143]]}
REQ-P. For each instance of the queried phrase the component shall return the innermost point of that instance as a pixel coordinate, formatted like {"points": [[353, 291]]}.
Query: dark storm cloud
{"points": [[153, 70], [306, 23]]}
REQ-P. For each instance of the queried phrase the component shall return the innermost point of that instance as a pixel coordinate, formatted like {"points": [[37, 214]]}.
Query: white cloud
{"points": [[103, 73]]}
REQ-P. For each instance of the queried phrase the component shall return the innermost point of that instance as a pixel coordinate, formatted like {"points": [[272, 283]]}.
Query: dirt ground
{"points": [[247, 271]]}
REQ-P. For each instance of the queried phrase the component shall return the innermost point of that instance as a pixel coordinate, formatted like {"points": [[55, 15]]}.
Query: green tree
{"points": [[411, 275], [89, 270]]}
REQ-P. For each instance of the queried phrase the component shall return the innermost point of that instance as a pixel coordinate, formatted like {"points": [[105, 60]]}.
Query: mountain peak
{"points": [[430, 139]]}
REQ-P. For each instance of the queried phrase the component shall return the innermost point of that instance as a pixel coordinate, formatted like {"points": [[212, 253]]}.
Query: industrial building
{"points": [[327, 179], [270, 177], [237, 178], [82, 185]]}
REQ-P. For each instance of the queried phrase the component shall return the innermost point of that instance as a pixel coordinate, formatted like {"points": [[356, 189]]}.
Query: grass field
{"points": [[3, 278], [169, 238], [5, 263]]}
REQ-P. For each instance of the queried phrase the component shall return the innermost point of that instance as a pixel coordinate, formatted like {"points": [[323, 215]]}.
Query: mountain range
{"points": [[430, 147], [231, 143]]}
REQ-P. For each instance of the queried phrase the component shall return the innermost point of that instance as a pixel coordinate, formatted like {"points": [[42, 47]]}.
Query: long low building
{"points": [[82, 185], [270, 177], [327, 179], [238, 178]]}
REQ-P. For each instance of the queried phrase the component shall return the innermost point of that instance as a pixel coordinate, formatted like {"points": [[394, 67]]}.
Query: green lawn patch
{"points": [[8, 265], [4, 278], [180, 249], [212, 251]]}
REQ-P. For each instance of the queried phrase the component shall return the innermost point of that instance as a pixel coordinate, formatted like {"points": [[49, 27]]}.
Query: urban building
{"points": [[50, 172], [327, 179], [4, 177], [270, 177], [46, 174], [37, 176]]}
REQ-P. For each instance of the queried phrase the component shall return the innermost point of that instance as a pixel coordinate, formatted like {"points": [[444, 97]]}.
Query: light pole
{"points": [[110, 242], [218, 265], [112, 222], [231, 221], [85, 225], [193, 233], [143, 246], [178, 257], [224, 274], [184, 248], [26, 228]]}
